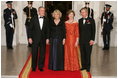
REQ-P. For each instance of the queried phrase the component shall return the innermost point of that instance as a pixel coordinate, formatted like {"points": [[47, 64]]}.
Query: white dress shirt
{"points": [[84, 20], [40, 22], [107, 12]]}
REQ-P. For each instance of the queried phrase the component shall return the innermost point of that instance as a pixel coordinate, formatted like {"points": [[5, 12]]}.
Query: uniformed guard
{"points": [[90, 10], [9, 17], [106, 21], [30, 12]]}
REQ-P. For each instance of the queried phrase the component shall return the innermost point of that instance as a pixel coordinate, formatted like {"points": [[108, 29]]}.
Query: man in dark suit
{"points": [[9, 18], [86, 39], [90, 10], [38, 34], [106, 21], [30, 12]]}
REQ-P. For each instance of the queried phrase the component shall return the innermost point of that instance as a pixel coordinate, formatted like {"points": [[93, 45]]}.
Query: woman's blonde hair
{"points": [[58, 12]]}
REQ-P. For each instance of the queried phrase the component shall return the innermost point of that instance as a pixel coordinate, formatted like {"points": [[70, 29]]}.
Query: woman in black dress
{"points": [[57, 41]]}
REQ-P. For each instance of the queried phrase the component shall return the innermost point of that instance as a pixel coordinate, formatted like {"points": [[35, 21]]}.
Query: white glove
{"points": [[11, 26], [104, 20], [12, 15]]}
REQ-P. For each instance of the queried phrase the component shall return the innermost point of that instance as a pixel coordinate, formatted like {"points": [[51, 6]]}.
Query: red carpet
{"points": [[27, 73]]}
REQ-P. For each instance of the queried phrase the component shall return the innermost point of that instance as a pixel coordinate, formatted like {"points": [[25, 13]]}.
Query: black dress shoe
{"points": [[29, 45], [9, 47], [82, 69], [87, 70], [33, 69], [107, 48], [104, 48], [41, 70]]}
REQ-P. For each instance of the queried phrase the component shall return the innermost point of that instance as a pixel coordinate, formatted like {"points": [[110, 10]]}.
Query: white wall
{"points": [[97, 6]]}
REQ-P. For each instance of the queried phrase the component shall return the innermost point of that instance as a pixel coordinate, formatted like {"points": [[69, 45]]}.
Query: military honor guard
{"points": [[106, 21], [9, 17], [90, 10], [30, 12]]}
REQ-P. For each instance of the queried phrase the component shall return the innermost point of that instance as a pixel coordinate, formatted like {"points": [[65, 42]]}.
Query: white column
{"points": [[3, 34]]}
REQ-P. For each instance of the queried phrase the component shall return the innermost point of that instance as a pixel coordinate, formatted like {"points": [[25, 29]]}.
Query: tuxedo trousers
{"points": [[85, 50], [38, 54]]}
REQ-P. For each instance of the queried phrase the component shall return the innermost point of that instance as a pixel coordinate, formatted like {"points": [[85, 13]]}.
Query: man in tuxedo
{"points": [[90, 10], [30, 12], [106, 21], [9, 17], [38, 34], [86, 39]]}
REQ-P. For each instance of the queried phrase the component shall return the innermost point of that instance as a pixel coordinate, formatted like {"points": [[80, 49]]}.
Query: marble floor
{"points": [[103, 65]]}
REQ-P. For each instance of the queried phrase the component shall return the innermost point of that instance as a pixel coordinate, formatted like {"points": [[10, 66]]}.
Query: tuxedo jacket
{"points": [[35, 32], [86, 30]]}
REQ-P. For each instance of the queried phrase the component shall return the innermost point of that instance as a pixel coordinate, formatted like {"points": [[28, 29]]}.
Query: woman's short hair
{"points": [[84, 9], [70, 11], [58, 12]]}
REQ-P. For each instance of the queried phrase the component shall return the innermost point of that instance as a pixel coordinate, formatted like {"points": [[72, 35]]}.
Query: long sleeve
{"points": [[102, 17], [24, 9], [93, 30], [77, 30], [5, 16], [64, 30], [35, 12], [15, 15], [111, 18], [92, 13], [48, 29], [30, 28]]}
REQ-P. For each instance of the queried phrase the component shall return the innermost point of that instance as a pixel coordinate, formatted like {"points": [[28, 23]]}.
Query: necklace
{"points": [[57, 21], [71, 21]]}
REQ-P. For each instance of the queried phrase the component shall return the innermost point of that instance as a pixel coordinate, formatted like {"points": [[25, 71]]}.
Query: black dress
{"points": [[57, 34]]}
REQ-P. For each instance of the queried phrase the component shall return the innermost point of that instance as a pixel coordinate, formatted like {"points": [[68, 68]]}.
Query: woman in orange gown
{"points": [[71, 61]]}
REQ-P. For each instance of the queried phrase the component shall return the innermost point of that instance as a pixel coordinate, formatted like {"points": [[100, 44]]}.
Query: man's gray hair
{"points": [[41, 7]]}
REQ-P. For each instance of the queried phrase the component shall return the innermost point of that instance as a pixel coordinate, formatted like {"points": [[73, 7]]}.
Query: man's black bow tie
{"points": [[41, 17], [84, 18]]}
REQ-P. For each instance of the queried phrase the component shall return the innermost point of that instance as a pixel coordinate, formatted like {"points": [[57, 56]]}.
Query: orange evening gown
{"points": [[71, 61]]}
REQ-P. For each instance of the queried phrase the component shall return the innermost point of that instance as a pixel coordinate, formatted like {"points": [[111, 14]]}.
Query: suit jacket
{"points": [[86, 31], [33, 12], [35, 32], [8, 18], [109, 20]]}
